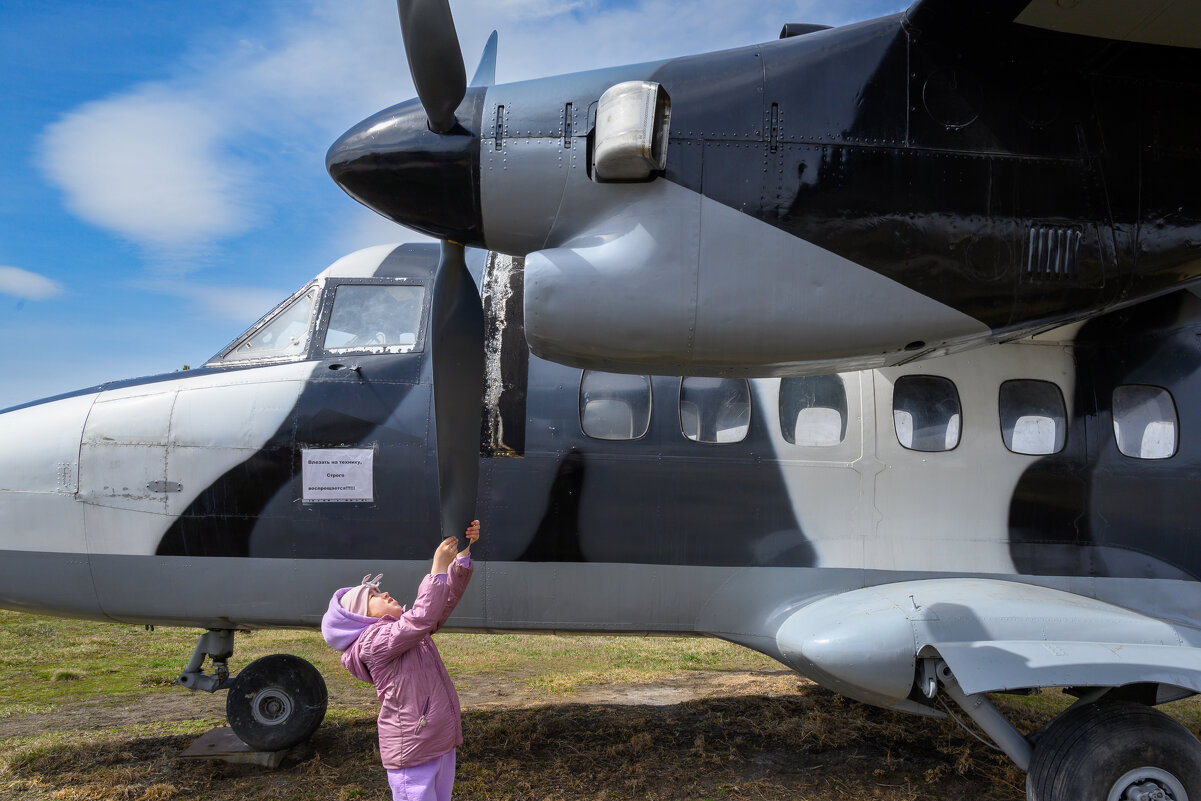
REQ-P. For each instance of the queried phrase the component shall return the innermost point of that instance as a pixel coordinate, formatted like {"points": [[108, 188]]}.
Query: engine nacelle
{"points": [[674, 283]]}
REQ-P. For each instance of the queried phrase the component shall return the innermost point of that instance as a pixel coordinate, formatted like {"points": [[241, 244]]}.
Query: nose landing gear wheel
{"points": [[1115, 751], [276, 702]]}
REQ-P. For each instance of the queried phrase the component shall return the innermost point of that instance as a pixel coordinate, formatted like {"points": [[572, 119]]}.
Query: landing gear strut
{"points": [[276, 702]]}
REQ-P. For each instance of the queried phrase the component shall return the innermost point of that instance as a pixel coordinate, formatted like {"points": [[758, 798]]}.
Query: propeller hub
{"points": [[395, 165]]}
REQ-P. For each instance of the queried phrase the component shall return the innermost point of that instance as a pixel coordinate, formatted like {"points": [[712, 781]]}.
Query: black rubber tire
{"points": [[1083, 753], [276, 702]]}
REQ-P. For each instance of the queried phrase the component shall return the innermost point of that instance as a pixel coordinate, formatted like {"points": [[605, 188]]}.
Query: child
{"points": [[419, 726]]}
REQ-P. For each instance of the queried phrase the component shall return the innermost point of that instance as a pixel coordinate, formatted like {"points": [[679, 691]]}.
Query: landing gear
{"points": [[1115, 751], [1100, 749], [275, 702]]}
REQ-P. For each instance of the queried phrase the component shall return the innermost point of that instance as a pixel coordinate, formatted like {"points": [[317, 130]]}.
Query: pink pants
{"points": [[429, 781]]}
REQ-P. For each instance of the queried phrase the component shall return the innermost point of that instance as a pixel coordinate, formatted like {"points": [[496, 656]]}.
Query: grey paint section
{"points": [[44, 583], [872, 640], [531, 162]]}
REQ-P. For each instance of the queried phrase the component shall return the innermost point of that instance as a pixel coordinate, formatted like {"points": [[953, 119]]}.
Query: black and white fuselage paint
{"points": [[179, 500]]}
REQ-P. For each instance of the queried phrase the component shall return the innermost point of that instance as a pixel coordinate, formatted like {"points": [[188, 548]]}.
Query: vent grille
{"points": [[1052, 253]]}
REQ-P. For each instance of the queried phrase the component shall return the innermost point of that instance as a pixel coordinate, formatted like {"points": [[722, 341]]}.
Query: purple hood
{"points": [[341, 628]]}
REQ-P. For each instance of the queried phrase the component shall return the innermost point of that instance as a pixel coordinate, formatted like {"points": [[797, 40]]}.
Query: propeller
{"points": [[418, 164], [435, 59], [457, 351]]}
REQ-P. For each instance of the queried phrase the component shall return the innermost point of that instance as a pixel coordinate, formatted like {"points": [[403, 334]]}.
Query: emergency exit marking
{"points": [[338, 474]]}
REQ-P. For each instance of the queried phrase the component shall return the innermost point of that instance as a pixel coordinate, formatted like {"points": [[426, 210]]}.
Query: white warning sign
{"points": [[338, 474]]}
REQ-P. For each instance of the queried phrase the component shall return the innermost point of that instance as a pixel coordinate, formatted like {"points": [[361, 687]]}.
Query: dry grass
{"points": [[806, 744]]}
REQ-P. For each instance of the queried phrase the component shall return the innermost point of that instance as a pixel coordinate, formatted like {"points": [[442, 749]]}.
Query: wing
{"points": [[1170, 23]]}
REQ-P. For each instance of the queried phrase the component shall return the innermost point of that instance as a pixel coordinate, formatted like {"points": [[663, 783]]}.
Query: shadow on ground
{"points": [[809, 744]]}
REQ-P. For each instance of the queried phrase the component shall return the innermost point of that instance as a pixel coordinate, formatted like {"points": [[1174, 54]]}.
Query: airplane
{"points": [[921, 186], [951, 458]]}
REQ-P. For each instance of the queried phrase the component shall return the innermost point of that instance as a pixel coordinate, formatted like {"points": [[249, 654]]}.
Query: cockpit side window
{"points": [[283, 335], [374, 317]]}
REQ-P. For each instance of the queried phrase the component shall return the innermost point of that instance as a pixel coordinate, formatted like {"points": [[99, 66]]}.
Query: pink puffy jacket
{"points": [[419, 712]]}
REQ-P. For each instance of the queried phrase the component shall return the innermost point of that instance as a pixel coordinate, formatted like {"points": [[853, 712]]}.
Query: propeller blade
{"points": [[435, 59], [457, 352], [485, 73]]}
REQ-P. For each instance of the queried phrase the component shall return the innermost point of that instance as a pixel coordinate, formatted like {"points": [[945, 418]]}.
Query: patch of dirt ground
{"points": [[493, 693]]}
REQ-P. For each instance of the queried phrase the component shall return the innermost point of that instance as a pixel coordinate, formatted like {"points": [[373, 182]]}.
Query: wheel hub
{"points": [[271, 707], [1148, 784]]}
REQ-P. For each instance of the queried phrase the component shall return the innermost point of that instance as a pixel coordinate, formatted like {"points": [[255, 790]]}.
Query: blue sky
{"points": [[163, 181]]}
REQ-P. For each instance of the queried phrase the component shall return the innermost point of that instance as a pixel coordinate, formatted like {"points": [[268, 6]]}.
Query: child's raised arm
{"points": [[458, 573]]}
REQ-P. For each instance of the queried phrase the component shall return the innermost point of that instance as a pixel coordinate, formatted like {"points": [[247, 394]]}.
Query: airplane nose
{"points": [[43, 551], [395, 165]]}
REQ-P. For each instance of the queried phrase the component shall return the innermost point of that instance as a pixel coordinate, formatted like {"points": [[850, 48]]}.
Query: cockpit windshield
{"points": [[284, 335], [375, 316]]}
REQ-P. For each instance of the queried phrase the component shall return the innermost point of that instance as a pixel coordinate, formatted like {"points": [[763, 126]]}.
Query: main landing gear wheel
{"points": [[1115, 751], [276, 702]]}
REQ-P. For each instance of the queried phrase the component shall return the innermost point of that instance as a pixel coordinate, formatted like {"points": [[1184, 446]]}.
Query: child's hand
{"points": [[473, 534], [445, 554]]}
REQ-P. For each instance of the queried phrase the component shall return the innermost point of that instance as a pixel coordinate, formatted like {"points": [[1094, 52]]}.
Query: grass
{"points": [[48, 661], [87, 712]]}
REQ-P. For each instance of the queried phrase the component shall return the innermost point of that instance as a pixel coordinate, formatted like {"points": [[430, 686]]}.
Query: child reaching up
{"points": [[382, 643]]}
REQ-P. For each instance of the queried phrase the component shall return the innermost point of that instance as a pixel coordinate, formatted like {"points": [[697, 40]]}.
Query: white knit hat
{"points": [[355, 600]]}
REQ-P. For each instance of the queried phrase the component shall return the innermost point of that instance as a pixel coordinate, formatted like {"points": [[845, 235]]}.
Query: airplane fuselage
{"points": [[695, 506]]}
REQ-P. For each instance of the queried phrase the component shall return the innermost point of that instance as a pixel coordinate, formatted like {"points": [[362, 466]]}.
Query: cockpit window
{"points": [[375, 316], [284, 335]]}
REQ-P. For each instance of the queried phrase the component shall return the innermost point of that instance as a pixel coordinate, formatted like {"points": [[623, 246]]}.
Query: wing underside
{"points": [[1167, 23]]}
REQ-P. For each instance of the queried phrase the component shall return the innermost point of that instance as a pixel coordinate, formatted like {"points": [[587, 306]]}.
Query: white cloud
{"points": [[240, 304], [222, 302], [148, 166], [220, 148], [26, 285]]}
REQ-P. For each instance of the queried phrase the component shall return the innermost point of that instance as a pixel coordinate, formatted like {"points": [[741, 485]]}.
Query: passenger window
{"points": [[925, 413], [1144, 421], [813, 410], [285, 335], [1033, 417], [615, 406], [715, 410], [375, 316]]}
